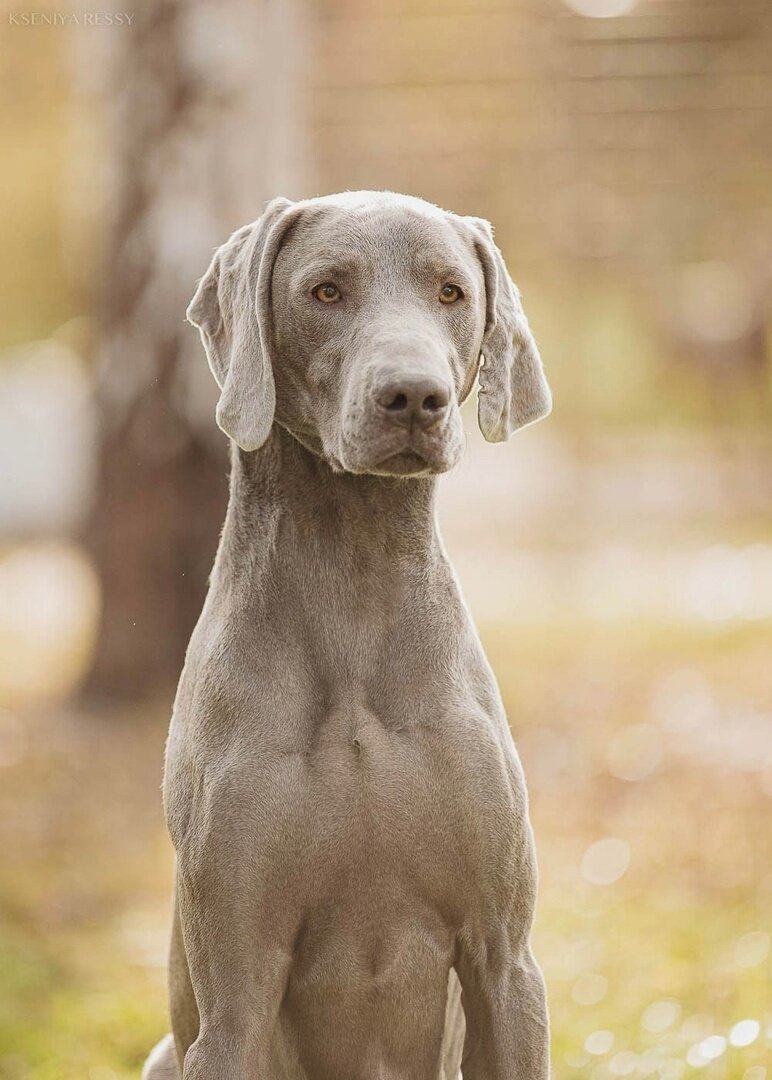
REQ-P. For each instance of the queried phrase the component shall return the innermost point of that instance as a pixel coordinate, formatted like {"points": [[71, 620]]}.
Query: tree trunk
{"points": [[204, 119]]}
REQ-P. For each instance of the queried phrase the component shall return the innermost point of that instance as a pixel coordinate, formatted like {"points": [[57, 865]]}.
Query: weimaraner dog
{"points": [[355, 869]]}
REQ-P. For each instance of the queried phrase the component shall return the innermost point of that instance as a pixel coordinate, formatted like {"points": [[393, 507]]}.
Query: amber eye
{"points": [[449, 294], [327, 293]]}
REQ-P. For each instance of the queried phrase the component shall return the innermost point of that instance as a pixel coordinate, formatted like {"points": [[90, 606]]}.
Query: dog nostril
{"points": [[398, 403], [421, 400]]}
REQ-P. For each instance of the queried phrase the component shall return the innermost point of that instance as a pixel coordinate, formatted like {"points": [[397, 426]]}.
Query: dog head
{"points": [[360, 322]]}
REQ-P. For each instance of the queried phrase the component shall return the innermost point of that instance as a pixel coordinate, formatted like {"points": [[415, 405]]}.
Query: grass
{"points": [[654, 945]]}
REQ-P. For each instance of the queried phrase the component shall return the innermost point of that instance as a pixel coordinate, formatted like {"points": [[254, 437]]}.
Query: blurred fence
{"points": [[643, 136]]}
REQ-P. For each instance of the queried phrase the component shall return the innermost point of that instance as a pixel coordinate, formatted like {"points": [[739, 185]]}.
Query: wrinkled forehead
{"points": [[381, 237]]}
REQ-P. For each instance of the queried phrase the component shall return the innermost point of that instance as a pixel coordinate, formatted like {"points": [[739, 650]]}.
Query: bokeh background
{"points": [[617, 558]]}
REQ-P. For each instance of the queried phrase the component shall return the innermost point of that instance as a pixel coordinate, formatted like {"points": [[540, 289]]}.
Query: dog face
{"points": [[379, 313], [359, 322]]}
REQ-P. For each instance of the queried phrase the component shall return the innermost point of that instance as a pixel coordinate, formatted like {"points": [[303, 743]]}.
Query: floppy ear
{"points": [[231, 308], [513, 390]]}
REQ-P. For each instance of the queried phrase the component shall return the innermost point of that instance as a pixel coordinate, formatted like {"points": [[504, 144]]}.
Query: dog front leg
{"points": [[239, 970], [507, 1030]]}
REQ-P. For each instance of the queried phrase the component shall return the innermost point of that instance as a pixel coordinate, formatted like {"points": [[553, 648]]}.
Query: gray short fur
{"points": [[355, 870]]}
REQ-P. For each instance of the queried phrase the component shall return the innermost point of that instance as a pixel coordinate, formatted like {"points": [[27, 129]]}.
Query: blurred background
{"points": [[617, 558]]}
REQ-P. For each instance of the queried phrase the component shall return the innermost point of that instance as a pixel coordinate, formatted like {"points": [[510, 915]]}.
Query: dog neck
{"points": [[345, 573], [289, 508]]}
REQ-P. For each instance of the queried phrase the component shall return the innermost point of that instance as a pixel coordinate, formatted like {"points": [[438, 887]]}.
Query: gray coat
{"points": [[342, 790]]}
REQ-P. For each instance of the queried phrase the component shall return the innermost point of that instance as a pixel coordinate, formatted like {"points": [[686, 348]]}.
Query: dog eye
{"points": [[449, 294], [328, 293]]}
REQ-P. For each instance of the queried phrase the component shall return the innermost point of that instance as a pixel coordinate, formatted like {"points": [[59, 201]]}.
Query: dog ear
{"points": [[513, 390], [231, 309]]}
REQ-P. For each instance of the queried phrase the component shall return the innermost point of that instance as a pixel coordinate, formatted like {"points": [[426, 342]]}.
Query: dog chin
{"points": [[405, 462]]}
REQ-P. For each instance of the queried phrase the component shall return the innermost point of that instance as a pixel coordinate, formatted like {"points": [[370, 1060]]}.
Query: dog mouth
{"points": [[406, 453], [407, 462]]}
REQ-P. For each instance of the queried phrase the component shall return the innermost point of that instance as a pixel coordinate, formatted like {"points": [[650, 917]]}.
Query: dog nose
{"points": [[422, 399]]}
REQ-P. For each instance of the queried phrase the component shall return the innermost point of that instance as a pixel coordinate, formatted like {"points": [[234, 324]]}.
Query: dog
{"points": [[355, 871]]}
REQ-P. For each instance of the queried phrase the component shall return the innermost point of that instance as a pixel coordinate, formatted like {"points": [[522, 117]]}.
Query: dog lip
{"points": [[404, 461], [411, 455], [406, 453]]}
